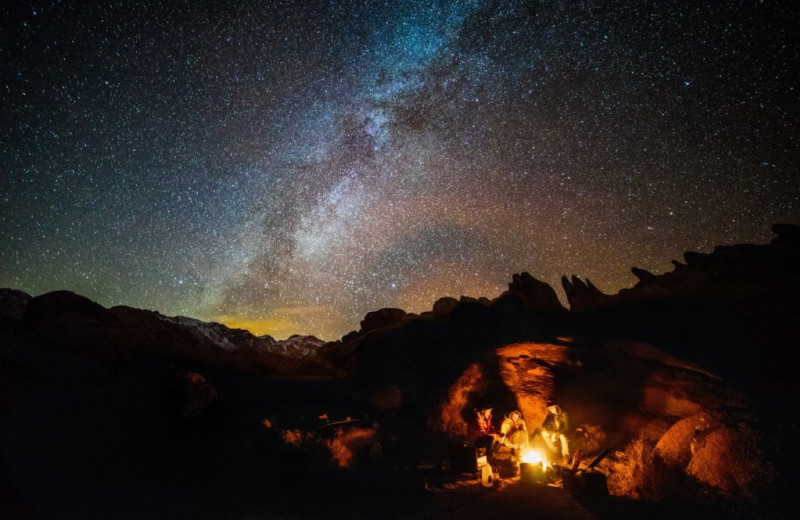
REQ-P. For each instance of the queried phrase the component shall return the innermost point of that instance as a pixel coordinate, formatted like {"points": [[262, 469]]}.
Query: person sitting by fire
{"points": [[514, 433], [554, 429], [481, 432]]}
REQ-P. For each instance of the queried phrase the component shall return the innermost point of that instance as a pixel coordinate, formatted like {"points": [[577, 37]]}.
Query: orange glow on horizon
{"points": [[276, 327]]}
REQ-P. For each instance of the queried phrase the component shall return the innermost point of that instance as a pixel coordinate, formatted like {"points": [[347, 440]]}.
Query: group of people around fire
{"points": [[514, 434]]}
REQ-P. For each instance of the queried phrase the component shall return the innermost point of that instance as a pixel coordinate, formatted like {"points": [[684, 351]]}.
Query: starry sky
{"points": [[289, 166]]}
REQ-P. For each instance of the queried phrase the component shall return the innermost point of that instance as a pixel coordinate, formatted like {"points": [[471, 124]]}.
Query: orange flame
{"points": [[534, 457]]}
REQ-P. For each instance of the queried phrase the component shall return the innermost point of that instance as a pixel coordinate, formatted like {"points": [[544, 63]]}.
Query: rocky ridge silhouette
{"points": [[740, 302]]}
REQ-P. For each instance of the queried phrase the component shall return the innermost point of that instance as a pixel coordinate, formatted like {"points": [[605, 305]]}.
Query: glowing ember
{"points": [[534, 457]]}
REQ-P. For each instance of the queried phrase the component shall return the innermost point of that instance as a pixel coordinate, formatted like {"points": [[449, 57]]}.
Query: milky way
{"points": [[290, 166]]}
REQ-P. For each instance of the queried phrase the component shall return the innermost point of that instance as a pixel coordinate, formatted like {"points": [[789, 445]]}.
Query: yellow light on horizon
{"points": [[275, 327]]}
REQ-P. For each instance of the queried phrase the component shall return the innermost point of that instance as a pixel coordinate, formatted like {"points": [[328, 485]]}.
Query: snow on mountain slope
{"points": [[298, 347]]}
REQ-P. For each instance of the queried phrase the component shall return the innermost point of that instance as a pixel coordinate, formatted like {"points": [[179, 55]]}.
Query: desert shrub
{"points": [[199, 394], [344, 446], [293, 438], [638, 473], [626, 469], [348, 445]]}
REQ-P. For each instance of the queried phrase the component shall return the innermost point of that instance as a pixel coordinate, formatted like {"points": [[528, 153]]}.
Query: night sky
{"points": [[289, 166]]}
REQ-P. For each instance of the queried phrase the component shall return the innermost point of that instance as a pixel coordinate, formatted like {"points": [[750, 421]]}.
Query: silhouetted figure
{"points": [[514, 433], [481, 432], [554, 429]]}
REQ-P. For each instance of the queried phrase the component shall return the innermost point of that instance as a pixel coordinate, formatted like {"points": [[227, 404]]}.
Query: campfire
{"points": [[533, 467], [534, 457]]}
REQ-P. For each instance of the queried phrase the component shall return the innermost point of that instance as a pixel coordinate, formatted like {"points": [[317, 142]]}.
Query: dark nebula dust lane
{"points": [[289, 166]]}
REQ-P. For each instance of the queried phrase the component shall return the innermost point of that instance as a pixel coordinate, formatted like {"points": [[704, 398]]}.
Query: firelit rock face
{"points": [[630, 393]]}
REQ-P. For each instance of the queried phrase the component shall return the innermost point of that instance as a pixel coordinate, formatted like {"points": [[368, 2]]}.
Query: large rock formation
{"points": [[670, 424], [533, 292], [723, 448], [767, 272], [736, 310], [583, 295], [443, 306], [381, 318]]}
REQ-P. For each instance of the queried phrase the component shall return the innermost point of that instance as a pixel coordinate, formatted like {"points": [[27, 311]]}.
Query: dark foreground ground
{"points": [[345, 494], [80, 441]]}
